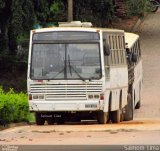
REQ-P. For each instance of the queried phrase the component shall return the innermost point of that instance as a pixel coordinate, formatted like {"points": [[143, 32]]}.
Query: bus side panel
{"points": [[106, 101], [119, 82], [124, 96], [137, 85]]}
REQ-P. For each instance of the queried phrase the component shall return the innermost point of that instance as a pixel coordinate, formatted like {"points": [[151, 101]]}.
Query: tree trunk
{"points": [[70, 10]]}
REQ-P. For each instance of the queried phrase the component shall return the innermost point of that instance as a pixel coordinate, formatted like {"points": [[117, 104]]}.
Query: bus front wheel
{"points": [[102, 117], [39, 119], [138, 105]]}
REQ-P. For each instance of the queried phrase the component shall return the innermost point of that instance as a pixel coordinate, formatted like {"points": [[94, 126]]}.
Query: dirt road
{"points": [[150, 44], [135, 132], [145, 129]]}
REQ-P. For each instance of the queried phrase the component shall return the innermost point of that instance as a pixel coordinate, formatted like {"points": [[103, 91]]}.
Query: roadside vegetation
{"points": [[13, 107], [137, 7]]}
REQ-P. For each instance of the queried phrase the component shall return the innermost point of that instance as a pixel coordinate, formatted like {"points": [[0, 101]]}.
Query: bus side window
{"points": [[129, 56], [139, 49]]}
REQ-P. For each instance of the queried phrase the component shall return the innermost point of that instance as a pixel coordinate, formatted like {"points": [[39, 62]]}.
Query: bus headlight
{"points": [[96, 96], [41, 97], [90, 96], [36, 97]]}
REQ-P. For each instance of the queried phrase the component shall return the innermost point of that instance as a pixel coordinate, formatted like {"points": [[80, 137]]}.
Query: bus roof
{"points": [[91, 29], [131, 38]]}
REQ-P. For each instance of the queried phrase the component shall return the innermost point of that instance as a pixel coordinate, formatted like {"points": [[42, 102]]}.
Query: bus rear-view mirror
{"points": [[134, 57]]}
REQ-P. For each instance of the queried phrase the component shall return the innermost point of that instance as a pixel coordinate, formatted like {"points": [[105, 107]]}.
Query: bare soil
{"points": [[126, 24]]}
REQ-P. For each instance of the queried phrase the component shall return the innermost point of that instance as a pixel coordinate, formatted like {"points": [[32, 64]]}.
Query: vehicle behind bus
{"points": [[77, 73]]}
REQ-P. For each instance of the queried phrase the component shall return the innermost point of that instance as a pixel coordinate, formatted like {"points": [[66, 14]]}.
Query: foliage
{"points": [[21, 21], [99, 12], [2, 4], [41, 8], [137, 7], [56, 10], [5, 11], [13, 107]]}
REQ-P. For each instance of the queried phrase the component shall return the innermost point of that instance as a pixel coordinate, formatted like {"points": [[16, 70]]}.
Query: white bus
{"points": [[133, 47], [81, 73]]}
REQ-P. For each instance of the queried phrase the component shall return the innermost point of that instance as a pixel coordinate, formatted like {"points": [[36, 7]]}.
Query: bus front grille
{"points": [[66, 91]]}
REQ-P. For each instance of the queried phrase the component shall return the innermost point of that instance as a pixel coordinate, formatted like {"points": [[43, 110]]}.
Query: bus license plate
{"points": [[90, 105]]}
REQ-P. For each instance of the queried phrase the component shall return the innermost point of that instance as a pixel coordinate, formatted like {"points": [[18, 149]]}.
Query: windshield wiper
{"points": [[78, 74], [91, 78], [71, 67], [59, 73], [64, 69]]}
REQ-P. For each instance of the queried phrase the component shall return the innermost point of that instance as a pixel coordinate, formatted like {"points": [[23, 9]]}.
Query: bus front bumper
{"points": [[51, 106]]}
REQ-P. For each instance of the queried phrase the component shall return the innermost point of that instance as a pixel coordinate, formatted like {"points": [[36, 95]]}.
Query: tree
{"points": [[29, 16], [15, 27], [20, 22], [99, 12], [42, 10], [5, 13]]}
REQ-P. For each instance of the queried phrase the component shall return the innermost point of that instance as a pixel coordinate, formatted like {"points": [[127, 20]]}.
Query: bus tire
{"points": [[60, 120], [102, 117], [128, 115], [50, 121], [39, 119], [138, 105], [116, 116]]}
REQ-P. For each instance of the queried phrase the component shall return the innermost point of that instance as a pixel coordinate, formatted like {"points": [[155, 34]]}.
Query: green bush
{"points": [[14, 107], [137, 7]]}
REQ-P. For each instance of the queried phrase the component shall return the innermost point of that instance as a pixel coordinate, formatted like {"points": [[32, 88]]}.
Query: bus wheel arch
{"points": [[116, 116], [103, 117], [128, 116]]}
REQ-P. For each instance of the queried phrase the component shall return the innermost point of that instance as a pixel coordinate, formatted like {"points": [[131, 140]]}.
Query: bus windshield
{"points": [[65, 61]]}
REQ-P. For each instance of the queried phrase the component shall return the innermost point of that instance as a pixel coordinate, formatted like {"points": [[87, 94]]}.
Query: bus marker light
{"points": [[30, 97], [102, 97]]}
